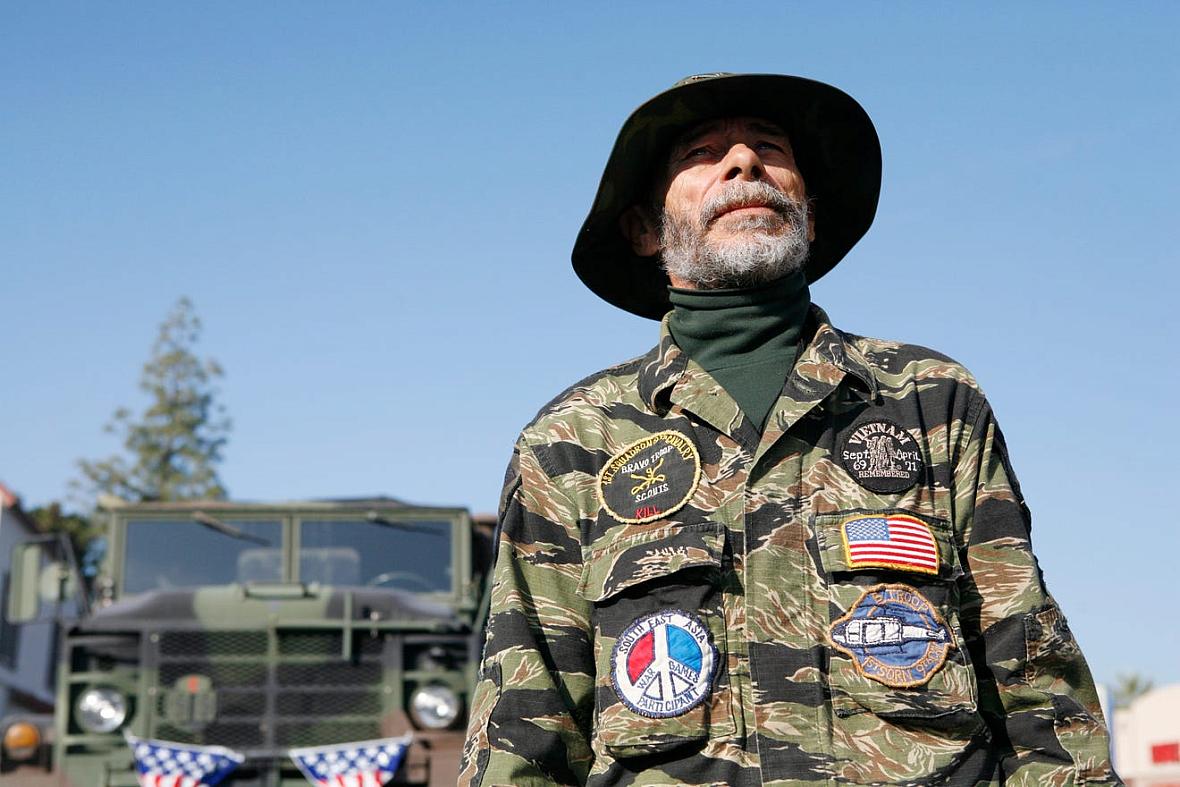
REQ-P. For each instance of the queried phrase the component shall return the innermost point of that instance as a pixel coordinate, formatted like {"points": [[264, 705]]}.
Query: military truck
{"points": [[258, 627]]}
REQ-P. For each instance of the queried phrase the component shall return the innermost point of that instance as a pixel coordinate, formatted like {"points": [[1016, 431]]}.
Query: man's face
{"points": [[734, 208]]}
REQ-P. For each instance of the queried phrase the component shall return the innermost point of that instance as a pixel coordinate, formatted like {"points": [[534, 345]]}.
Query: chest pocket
{"points": [[659, 639], [894, 637]]}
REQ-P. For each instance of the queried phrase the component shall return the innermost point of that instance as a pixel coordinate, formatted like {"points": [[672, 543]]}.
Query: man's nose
{"points": [[742, 163]]}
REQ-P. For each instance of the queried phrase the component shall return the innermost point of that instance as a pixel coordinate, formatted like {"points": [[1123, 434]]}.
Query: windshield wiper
{"points": [[200, 517], [409, 527]]}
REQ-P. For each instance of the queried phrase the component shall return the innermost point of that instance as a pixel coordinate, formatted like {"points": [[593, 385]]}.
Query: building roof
{"points": [[10, 503]]}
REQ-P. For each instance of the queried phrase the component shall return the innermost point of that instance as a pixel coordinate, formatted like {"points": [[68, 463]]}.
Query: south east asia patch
{"points": [[650, 478], [662, 664], [895, 636], [882, 457]]}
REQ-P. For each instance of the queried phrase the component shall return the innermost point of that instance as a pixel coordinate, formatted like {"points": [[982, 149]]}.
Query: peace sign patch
{"points": [[662, 664]]}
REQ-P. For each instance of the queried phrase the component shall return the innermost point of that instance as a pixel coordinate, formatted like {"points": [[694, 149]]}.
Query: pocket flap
{"points": [[891, 539], [613, 567]]}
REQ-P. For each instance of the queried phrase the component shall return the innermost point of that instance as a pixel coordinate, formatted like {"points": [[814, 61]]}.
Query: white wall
{"points": [[1150, 726]]}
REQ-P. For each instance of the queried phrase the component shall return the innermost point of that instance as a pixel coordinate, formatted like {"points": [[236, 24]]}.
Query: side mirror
{"points": [[35, 578], [24, 579]]}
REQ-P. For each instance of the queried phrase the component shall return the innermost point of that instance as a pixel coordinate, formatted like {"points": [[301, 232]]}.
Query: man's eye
{"points": [[698, 152], [767, 146]]}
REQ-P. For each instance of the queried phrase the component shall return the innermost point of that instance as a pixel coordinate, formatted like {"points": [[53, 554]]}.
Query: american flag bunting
{"points": [[364, 764], [166, 764]]}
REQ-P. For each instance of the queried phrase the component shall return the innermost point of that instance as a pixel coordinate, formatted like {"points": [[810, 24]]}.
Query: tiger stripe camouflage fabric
{"points": [[824, 672]]}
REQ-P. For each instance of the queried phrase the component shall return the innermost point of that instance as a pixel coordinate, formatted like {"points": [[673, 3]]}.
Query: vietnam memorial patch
{"points": [[662, 664], [650, 478], [894, 635], [882, 457]]}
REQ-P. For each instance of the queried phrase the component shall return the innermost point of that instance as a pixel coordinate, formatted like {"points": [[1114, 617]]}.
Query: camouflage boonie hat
{"points": [[835, 146]]}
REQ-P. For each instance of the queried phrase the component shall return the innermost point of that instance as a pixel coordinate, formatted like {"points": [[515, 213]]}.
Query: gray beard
{"points": [[768, 248]]}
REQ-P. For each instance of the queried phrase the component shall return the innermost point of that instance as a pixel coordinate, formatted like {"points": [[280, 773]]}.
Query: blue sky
{"points": [[372, 206]]}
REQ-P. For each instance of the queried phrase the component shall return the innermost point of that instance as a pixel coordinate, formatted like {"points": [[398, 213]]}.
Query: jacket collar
{"points": [[824, 361]]}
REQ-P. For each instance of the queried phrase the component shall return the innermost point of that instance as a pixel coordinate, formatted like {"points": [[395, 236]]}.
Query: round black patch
{"points": [[882, 457], [650, 479]]}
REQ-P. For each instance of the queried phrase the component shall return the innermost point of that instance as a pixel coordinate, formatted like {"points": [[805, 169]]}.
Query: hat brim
{"points": [[835, 147]]}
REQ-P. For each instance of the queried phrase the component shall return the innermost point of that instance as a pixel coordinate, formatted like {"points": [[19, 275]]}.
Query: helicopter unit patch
{"points": [[894, 635], [662, 664], [650, 478]]}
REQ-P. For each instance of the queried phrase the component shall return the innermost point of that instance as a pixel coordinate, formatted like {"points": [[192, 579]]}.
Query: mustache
{"points": [[745, 194]]}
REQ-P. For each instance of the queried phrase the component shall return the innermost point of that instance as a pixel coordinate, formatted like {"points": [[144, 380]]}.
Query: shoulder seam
{"points": [[626, 367], [974, 411]]}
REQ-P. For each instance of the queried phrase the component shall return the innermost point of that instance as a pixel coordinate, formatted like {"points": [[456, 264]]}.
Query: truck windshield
{"points": [[412, 555], [163, 554]]}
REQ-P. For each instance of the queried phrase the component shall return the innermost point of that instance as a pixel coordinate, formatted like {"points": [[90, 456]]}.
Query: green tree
{"points": [[52, 519], [1130, 686], [171, 450]]}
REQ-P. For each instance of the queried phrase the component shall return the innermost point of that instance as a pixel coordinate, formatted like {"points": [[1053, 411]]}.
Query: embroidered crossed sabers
{"points": [[648, 478]]}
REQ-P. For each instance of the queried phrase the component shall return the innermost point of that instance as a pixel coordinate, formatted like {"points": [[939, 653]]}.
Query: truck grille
{"points": [[268, 690]]}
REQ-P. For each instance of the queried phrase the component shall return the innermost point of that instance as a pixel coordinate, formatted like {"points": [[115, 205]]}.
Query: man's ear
{"points": [[637, 226], [811, 222]]}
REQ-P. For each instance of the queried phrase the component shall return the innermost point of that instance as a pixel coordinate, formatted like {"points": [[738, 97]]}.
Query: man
{"points": [[767, 551]]}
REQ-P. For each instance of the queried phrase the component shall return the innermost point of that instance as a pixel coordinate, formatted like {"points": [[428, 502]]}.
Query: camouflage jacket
{"points": [[848, 598]]}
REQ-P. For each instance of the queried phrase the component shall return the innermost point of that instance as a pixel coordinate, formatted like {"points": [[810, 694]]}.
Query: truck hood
{"points": [[238, 606]]}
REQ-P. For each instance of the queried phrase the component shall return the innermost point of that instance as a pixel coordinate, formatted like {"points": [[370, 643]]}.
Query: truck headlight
{"points": [[100, 710], [434, 707]]}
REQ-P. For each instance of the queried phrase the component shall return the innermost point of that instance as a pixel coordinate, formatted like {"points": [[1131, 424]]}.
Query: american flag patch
{"points": [[890, 541]]}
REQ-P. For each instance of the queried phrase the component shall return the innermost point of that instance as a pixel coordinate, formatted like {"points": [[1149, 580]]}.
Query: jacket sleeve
{"points": [[1035, 690], [531, 711]]}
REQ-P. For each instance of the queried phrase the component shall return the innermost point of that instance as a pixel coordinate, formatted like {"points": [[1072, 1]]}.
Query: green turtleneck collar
{"points": [[745, 338]]}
